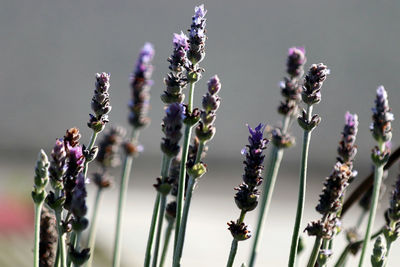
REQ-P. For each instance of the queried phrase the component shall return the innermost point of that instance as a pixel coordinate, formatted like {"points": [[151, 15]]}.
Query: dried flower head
{"points": [[58, 165], [48, 238], [100, 103], [313, 82], [108, 156], [239, 231]]}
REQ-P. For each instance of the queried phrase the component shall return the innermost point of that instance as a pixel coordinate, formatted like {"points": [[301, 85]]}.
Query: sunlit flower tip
{"points": [[257, 135], [180, 41], [351, 120], [381, 117], [147, 53], [199, 13], [102, 82], [214, 85], [295, 61]]}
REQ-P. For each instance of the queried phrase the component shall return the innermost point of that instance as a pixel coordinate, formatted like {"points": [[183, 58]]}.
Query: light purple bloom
{"points": [[351, 120], [214, 85], [199, 13], [181, 41]]}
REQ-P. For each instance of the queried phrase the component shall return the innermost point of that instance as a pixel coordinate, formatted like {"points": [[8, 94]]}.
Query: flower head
{"points": [[140, 84], [197, 35], [347, 148], [100, 103], [382, 118], [313, 82]]}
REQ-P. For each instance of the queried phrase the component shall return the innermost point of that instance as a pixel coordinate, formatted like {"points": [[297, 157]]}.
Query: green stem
{"points": [[164, 173], [275, 160], [151, 231], [315, 252], [302, 192], [89, 147], [126, 171], [182, 172], [163, 204], [77, 244], [92, 232], [38, 210], [61, 239], [378, 173], [182, 229], [232, 253], [167, 238]]}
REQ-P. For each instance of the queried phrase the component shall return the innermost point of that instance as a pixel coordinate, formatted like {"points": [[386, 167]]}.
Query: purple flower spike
{"points": [[58, 164], [347, 149], [78, 204], [382, 117], [197, 35], [313, 83], [140, 84], [256, 135]]}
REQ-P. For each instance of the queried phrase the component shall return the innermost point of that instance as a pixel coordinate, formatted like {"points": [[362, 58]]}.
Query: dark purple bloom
{"points": [[100, 103], [254, 156], [295, 61], [140, 84], [172, 125], [347, 148], [313, 83], [78, 204], [381, 126], [76, 160]]}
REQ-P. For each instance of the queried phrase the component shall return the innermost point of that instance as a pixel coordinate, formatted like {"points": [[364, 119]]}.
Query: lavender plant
{"points": [[48, 239], [247, 194], [175, 82], [139, 106], [311, 95], [281, 139], [195, 54], [204, 133], [382, 132]]}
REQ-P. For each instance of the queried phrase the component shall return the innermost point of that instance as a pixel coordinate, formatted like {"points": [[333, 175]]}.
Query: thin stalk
{"points": [[234, 245], [123, 190], [232, 253], [38, 210], [163, 204], [302, 192], [378, 173], [92, 232], [164, 172], [182, 172], [315, 252], [89, 147], [72, 239], [77, 244], [167, 238], [182, 229], [61, 240]]}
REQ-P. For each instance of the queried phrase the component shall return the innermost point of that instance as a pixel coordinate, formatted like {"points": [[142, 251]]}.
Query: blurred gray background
{"points": [[50, 51]]}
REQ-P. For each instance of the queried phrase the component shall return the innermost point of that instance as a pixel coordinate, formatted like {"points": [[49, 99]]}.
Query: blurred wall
{"points": [[50, 51]]}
